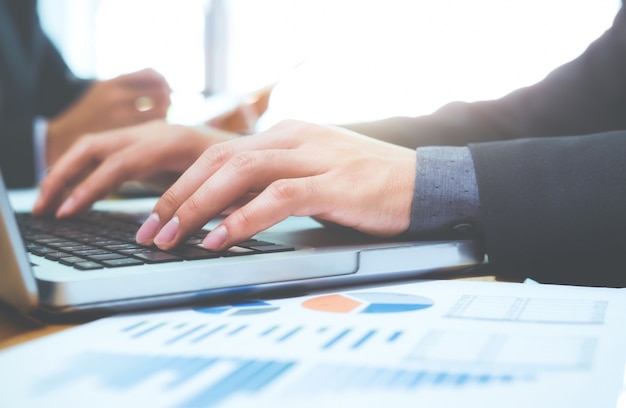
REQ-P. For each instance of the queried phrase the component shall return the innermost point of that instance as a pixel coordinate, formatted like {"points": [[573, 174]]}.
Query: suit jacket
{"points": [[550, 163], [34, 81]]}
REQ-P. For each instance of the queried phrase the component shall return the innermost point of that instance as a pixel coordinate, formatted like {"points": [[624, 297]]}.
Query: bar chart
{"points": [[223, 378], [404, 346], [277, 334]]}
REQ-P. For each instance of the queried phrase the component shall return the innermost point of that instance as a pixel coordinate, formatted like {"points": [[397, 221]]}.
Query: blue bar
{"points": [[148, 330], [267, 375], [363, 339], [336, 339], [249, 378], [440, 378], [417, 379], [207, 334], [393, 307], [462, 379], [237, 330], [134, 326], [289, 334], [484, 378], [185, 334], [394, 337], [232, 384], [269, 331]]}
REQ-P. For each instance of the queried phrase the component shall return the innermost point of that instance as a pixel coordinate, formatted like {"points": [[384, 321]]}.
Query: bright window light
{"points": [[335, 61]]}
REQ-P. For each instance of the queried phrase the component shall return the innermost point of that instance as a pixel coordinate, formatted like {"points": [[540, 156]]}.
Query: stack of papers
{"points": [[431, 343]]}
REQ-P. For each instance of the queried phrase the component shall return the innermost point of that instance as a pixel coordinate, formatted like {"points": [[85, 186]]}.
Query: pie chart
{"points": [[368, 303], [239, 309]]}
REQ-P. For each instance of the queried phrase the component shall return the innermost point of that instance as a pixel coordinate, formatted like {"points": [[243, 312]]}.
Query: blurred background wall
{"points": [[335, 60]]}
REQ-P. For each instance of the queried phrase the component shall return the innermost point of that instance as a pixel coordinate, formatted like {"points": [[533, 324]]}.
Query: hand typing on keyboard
{"points": [[155, 153], [293, 169], [99, 240]]}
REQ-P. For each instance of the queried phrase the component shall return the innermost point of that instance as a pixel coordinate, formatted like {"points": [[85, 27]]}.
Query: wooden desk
{"points": [[16, 329]]}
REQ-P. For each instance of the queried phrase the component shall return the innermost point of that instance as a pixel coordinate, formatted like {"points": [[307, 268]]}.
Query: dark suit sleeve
{"points": [[54, 88], [57, 86], [555, 208], [550, 161], [17, 153]]}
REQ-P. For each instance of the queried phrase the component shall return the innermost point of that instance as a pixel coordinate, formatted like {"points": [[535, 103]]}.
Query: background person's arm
{"points": [[586, 95]]}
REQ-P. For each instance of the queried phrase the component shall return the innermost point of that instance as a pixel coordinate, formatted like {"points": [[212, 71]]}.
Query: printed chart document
{"points": [[430, 343]]}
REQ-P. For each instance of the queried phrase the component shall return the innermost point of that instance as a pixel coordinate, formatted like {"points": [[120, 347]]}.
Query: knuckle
{"points": [[240, 220], [84, 144], [169, 199], [283, 190], [217, 154], [194, 205], [120, 164], [242, 162]]}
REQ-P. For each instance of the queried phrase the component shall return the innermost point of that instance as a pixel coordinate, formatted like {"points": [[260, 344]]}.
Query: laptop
{"points": [[61, 272]]}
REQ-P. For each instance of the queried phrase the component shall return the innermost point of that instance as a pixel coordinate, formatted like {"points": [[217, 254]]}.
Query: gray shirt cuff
{"points": [[445, 201]]}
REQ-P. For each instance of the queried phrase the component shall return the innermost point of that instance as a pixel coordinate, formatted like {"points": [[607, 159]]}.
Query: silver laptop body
{"points": [[324, 258]]}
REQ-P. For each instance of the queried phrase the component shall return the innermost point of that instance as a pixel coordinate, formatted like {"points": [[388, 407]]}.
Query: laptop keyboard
{"points": [[107, 240]]}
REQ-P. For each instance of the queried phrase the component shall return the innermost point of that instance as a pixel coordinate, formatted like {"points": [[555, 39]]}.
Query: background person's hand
{"points": [[244, 117], [96, 165], [122, 101], [295, 169]]}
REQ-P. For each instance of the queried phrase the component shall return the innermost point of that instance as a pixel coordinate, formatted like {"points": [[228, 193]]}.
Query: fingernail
{"points": [[168, 232], [215, 238], [67, 207], [147, 232]]}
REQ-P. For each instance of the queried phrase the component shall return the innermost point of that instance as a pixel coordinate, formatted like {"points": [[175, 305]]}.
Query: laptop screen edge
{"points": [[18, 286]]}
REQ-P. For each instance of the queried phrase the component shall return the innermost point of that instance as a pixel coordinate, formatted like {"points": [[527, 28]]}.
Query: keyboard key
{"points": [[88, 252], [104, 240], [106, 256], [188, 252], [238, 251], [87, 266], [55, 256], [113, 263], [157, 257], [273, 248], [72, 260]]}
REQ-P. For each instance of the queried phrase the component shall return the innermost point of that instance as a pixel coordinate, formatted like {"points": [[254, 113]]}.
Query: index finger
{"points": [[203, 168], [80, 160], [69, 169]]}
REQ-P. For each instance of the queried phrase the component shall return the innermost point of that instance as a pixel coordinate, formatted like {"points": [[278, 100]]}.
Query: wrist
{"points": [[446, 201]]}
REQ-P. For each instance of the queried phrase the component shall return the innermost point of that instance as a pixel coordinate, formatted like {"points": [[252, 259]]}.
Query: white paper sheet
{"points": [[433, 344]]}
